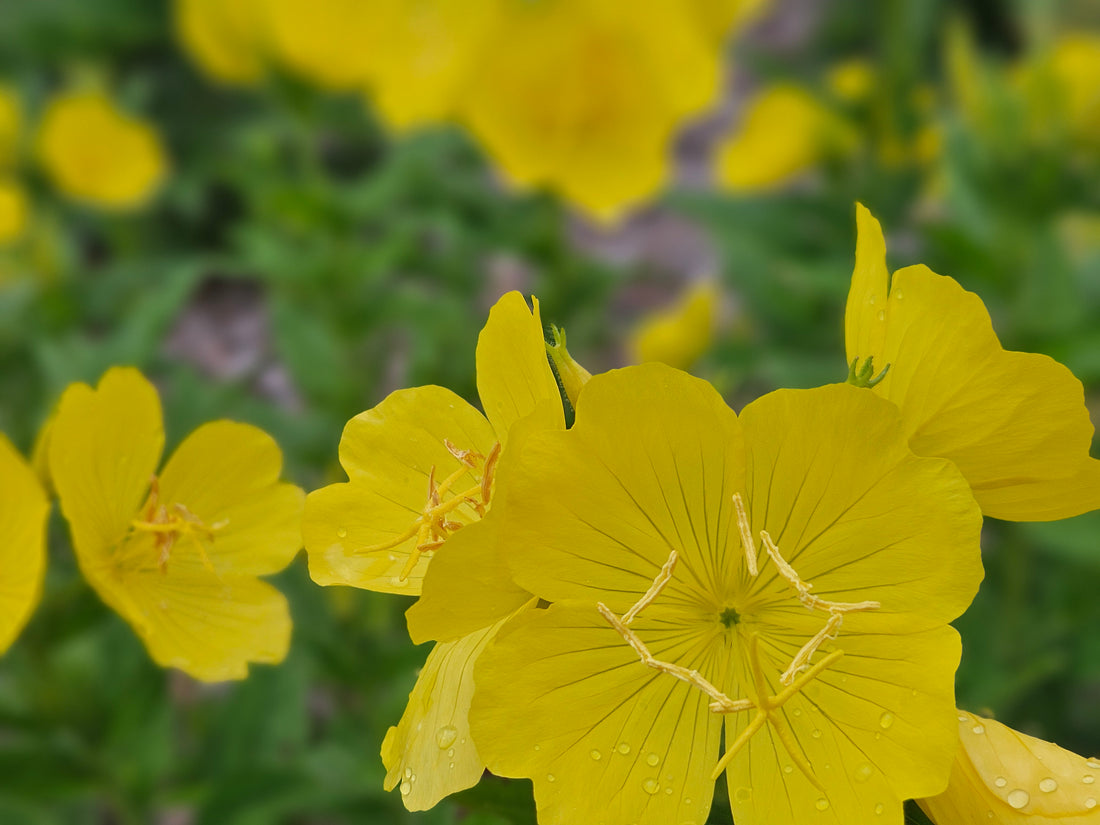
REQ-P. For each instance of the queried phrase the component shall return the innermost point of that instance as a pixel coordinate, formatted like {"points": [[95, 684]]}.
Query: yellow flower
{"points": [[177, 553], [13, 211], [95, 152], [421, 469], [784, 132], [226, 38], [585, 96], [852, 80], [1075, 65], [681, 334], [678, 544], [23, 511], [332, 43], [11, 118], [1006, 777], [1014, 423], [719, 17]]}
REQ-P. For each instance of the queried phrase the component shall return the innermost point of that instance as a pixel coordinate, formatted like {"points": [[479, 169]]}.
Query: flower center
{"points": [[434, 524], [729, 617], [168, 524]]}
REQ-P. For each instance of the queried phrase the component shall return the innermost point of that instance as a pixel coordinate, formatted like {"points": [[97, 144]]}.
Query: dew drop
{"points": [[897, 294], [877, 735], [405, 788], [878, 809], [1000, 781], [451, 765], [623, 748], [822, 804], [871, 300], [551, 778], [1090, 803], [342, 532], [882, 314], [864, 772], [596, 755], [788, 769], [1048, 785], [451, 752], [1092, 763], [651, 786], [462, 741], [815, 733], [743, 794], [538, 747], [797, 711], [412, 778], [668, 791], [408, 772], [886, 720], [1018, 798], [446, 736], [1088, 778], [978, 729], [652, 760], [962, 718]]}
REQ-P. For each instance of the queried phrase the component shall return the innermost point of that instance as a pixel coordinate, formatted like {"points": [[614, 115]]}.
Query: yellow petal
{"points": [[389, 453], [23, 511], [647, 435], [225, 37], [430, 753], [104, 449], [682, 334], [1014, 423], [1003, 776], [513, 373], [208, 627], [333, 43], [468, 587], [13, 211], [855, 512], [605, 739], [227, 474], [11, 124]]}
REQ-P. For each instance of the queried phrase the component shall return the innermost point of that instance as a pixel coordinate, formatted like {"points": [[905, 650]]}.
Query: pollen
{"points": [[170, 523]]}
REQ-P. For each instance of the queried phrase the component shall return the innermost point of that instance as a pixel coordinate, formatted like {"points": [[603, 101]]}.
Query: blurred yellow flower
{"points": [[1075, 68], [11, 119], [226, 38], [333, 43], [95, 152], [1006, 777], [1014, 423], [681, 334], [585, 96], [13, 211], [720, 17], [177, 553], [23, 511], [784, 132], [851, 80]]}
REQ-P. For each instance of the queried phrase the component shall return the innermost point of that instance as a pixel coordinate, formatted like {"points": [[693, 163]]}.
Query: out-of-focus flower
{"points": [[681, 334], [851, 80], [11, 119], [666, 533], [1006, 777], [1075, 63], [95, 152], [177, 554], [13, 211], [422, 467], [226, 38], [784, 132], [584, 97], [333, 43], [23, 511], [1014, 423], [719, 17]]}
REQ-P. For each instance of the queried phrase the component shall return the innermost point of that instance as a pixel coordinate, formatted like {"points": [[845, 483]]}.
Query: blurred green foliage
{"points": [[369, 264]]}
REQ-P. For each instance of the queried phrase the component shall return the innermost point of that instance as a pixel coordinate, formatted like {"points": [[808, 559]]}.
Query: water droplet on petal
{"points": [[451, 752], [538, 747], [963, 718], [596, 755], [342, 532], [822, 804], [668, 791], [742, 794], [446, 736], [405, 788], [1092, 763], [1090, 803], [886, 720], [551, 778], [623, 748], [871, 300], [651, 786], [864, 772], [878, 808], [815, 733], [687, 800], [978, 729], [1000, 781], [882, 315], [1018, 798], [652, 760], [451, 765], [1088, 778], [788, 769], [897, 294], [1048, 785], [412, 778], [408, 772], [797, 711]]}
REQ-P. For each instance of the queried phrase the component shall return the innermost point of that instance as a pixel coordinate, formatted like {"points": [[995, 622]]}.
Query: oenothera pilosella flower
{"points": [[421, 481], [1007, 777], [638, 525], [1014, 423], [23, 511], [177, 552]]}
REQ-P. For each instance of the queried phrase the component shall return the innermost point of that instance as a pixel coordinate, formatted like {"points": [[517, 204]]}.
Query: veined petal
{"points": [[207, 626], [1004, 776], [606, 740], [877, 727], [104, 449], [430, 753], [513, 374], [227, 474], [855, 513], [1014, 423], [468, 587], [23, 511], [650, 466]]}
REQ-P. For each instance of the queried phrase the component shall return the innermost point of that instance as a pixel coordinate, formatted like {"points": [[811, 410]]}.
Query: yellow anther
{"points": [[655, 589], [746, 534], [169, 524]]}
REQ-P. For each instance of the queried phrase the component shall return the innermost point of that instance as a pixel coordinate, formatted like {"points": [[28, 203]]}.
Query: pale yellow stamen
{"points": [[655, 589], [746, 534], [170, 524]]}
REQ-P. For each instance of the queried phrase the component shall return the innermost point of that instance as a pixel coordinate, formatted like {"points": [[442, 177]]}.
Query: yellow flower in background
{"points": [[332, 43], [95, 152], [1006, 777], [421, 469], [13, 211], [680, 335], [1014, 423], [177, 552], [851, 80], [11, 120], [720, 17], [1074, 66], [678, 544], [226, 38], [585, 96], [783, 132], [23, 511]]}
